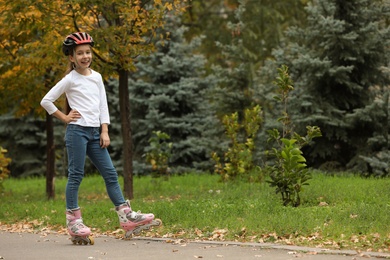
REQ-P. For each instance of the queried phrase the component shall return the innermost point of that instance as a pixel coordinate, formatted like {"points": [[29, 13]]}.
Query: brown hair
{"points": [[68, 70]]}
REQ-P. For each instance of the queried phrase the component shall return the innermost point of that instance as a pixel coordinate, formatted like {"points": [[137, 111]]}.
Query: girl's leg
{"points": [[130, 221], [102, 161], [76, 145]]}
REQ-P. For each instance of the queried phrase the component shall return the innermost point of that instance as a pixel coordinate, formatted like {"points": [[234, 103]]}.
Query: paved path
{"points": [[20, 246]]}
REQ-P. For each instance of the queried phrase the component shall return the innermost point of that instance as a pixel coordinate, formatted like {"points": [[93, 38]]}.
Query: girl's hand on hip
{"points": [[73, 116]]}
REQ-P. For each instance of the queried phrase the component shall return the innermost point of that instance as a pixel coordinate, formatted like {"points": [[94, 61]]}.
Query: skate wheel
{"points": [[128, 234], [158, 222], [137, 232], [91, 240], [74, 242]]}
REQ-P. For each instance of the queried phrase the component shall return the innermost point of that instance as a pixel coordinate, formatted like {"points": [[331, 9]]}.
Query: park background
{"points": [[180, 76]]}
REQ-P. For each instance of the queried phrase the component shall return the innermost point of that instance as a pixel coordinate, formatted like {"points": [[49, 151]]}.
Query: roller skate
{"points": [[80, 234], [134, 222]]}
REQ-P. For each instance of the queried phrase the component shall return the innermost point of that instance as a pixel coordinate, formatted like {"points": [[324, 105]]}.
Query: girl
{"points": [[87, 134]]}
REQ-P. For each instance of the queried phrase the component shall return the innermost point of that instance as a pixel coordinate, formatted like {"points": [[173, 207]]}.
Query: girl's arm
{"points": [[48, 100]]}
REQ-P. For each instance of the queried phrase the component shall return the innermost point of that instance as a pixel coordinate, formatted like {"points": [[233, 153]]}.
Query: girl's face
{"points": [[82, 57]]}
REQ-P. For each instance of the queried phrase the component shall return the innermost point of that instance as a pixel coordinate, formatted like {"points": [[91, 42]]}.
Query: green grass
{"points": [[355, 215]]}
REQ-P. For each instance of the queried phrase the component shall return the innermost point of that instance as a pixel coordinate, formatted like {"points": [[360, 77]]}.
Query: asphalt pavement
{"points": [[58, 246]]}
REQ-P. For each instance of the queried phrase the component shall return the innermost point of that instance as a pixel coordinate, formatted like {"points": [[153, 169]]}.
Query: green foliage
{"points": [[374, 157], [258, 26], [169, 94], [338, 60], [289, 173], [25, 141], [255, 29], [158, 154], [379, 162], [238, 160], [4, 170]]}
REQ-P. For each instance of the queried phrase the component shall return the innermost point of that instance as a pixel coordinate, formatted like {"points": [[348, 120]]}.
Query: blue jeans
{"points": [[82, 141]]}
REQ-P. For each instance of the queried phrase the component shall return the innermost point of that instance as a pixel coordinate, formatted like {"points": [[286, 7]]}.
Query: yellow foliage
{"points": [[10, 73], [169, 6], [32, 34], [4, 162]]}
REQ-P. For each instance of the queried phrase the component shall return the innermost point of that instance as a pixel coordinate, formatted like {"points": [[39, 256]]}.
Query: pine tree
{"points": [[336, 62], [25, 141], [257, 28], [168, 94]]}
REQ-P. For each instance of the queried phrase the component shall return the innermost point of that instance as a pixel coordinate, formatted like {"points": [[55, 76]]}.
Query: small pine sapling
{"points": [[289, 173]]}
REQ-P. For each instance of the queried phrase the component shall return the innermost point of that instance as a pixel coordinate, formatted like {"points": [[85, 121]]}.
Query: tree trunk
{"points": [[127, 152], [50, 160]]}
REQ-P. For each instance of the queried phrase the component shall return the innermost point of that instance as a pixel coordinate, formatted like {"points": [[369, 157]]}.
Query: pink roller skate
{"points": [[80, 234], [134, 222]]}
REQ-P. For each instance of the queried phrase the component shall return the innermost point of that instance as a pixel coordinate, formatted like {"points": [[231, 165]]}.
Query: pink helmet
{"points": [[74, 39]]}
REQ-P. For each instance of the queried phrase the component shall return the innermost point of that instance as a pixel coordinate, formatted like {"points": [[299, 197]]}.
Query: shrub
{"points": [[289, 173], [158, 154], [4, 171], [238, 159]]}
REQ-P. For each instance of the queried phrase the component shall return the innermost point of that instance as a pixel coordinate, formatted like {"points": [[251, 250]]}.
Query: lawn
{"points": [[343, 211]]}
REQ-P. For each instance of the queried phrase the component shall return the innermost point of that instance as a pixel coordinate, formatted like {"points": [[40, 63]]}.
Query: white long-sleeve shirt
{"points": [[86, 94]]}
